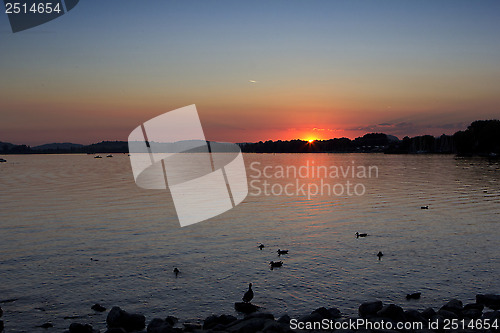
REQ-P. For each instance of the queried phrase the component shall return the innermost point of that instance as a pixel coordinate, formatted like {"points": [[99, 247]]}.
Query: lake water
{"points": [[59, 211]]}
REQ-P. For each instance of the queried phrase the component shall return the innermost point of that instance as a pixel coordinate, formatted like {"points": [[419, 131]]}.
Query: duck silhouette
{"points": [[413, 296], [380, 255], [280, 252], [261, 246], [360, 235], [176, 271], [248, 296], [274, 264], [424, 207]]}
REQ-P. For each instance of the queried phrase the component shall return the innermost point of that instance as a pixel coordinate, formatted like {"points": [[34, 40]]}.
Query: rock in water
{"points": [[392, 311], [190, 327], [252, 323], [171, 320], [447, 314], [414, 316], [81, 328], [212, 321], [245, 307], [98, 307], [46, 325], [117, 330], [313, 317], [285, 320], [118, 318], [331, 313], [472, 313], [428, 313], [456, 306], [475, 306], [370, 308], [158, 325], [489, 300], [492, 315]]}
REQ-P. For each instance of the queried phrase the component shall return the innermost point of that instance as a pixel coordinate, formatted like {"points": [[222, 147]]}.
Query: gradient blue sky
{"points": [[323, 68]]}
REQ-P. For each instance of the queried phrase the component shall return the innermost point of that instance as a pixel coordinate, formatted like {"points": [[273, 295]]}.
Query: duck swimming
{"points": [[413, 296], [276, 264], [280, 252]]}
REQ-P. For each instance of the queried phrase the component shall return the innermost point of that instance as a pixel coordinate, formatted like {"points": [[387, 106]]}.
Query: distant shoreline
{"points": [[481, 138]]}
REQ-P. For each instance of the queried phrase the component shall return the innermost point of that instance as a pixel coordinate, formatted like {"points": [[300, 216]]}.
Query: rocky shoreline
{"points": [[454, 316]]}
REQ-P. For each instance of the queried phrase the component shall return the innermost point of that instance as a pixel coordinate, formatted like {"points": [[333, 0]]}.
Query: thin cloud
{"points": [[324, 129], [409, 128]]}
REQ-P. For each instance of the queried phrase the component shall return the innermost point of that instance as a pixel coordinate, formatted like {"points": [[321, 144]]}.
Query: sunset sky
{"points": [[256, 70]]}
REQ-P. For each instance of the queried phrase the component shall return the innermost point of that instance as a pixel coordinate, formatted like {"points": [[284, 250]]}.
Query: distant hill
{"points": [[58, 146], [66, 147], [107, 147], [5, 146], [6, 143]]}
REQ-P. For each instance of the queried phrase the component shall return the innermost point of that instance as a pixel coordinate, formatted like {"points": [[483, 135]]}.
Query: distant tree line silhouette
{"points": [[482, 137]]}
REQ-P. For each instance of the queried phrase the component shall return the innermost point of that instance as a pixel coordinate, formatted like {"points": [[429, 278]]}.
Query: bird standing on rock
{"points": [[248, 296]]}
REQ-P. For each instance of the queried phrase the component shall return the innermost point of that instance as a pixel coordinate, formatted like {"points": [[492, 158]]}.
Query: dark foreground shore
{"points": [[454, 316]]}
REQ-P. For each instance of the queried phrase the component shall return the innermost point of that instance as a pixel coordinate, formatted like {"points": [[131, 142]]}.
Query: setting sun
{"points": [[310, 138]]}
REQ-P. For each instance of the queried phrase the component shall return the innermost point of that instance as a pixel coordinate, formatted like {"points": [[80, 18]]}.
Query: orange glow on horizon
{"points": [[310, 138]]}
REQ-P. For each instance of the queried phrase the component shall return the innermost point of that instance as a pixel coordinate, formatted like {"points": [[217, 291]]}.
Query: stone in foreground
{"points": [[118, 318], [489, 300], [392, 311], [98, 307], [370, 308], [81, 328]]}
